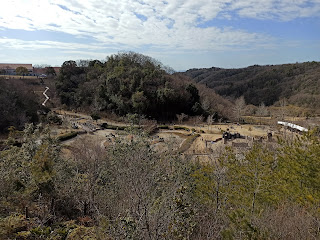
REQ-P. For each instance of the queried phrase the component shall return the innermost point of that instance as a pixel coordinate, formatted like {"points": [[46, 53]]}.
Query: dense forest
{"points": [[299, 83], [132, 83]]}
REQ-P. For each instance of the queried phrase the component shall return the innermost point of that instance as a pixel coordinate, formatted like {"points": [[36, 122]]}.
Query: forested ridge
{"points": [[299, 83]]}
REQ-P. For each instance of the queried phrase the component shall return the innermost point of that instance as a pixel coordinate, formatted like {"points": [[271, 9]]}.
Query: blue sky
{"points": [[182, 34]]}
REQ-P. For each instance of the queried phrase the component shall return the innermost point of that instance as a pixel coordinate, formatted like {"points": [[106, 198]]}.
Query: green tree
{"points": [[22, 71], [299, 163], [139, 102], [50, 71]]}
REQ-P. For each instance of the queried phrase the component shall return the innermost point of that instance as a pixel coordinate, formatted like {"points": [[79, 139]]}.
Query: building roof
{"points": [[44, 70], [15, 65], [291, 125], [57, 69]]}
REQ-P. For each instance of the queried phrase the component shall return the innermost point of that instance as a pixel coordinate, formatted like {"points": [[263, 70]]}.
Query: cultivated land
{"points": [[209, 141]]}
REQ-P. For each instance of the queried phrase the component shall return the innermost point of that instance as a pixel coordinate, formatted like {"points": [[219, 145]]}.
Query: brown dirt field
{"points": [[199, 145], [246, 130], [173, 138]]}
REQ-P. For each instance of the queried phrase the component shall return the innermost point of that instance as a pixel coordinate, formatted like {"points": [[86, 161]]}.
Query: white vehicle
{"points": [[42, 76]]}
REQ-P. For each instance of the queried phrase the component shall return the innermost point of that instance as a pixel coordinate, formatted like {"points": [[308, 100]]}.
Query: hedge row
{"points": [[67, 136], [181, 128], [113, 127]]}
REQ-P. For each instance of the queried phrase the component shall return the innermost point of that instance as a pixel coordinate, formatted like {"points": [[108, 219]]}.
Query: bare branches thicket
{"points": [[239, 108]]}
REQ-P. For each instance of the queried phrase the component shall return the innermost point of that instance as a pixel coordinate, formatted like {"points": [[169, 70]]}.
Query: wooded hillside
{"points": [[299, 83], [18, 104], [133, 83]]}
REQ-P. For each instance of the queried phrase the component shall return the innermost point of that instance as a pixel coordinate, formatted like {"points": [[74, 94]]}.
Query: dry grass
{"points": [[188, 142]]}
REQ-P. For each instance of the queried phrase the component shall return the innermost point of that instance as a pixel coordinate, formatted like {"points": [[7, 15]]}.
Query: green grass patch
{"points": [[181, 128], [163, 127]]}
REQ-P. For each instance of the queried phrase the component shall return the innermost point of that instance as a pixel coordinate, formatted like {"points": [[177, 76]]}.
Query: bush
{"points": [[82, 232], [67, 136], [12, 225], [163, 127], [104, 125], [113, 127], [54, 118], [181, 128], [95, 117]]}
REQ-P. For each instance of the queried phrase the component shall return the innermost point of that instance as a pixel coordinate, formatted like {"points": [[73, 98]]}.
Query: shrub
{"points": [[12, 225], [113, 127], [67, 136], [54, 118], [95, 117], [181, 128], [104, 125], [163, 127]]}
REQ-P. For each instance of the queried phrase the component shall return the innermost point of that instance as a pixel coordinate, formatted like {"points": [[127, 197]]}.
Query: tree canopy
{"points": [[22, 71], [127, 83]]}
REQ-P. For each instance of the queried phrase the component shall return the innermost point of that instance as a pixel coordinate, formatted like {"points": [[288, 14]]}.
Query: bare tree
{"points": [[262, 111], [181, 117], [205, 103], [283, 108], [209, 120], [198, 120], [239, 108], [88, 157]]}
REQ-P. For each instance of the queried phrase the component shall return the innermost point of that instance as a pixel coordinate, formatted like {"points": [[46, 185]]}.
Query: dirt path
{"points": [[87, 117]]}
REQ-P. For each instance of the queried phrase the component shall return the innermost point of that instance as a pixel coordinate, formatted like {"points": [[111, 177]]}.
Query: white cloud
{"points": [[11, 43], [283, 10], [171, 26]]}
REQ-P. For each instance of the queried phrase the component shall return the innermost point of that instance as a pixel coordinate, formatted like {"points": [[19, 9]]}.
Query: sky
{"points": [[182, 34]]}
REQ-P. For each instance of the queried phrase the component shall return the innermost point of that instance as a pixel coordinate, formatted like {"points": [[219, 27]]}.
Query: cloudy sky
{"points": [[180, 33]]}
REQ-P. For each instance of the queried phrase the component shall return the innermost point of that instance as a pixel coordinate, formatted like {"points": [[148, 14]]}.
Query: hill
{"points": [[299, 83], [136, 84]]}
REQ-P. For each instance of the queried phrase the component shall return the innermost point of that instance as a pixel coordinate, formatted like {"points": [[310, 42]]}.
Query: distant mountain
{"points": [[299, 83]]}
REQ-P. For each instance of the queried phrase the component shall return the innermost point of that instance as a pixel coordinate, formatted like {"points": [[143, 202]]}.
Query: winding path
{"points": [[47, 98]]}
